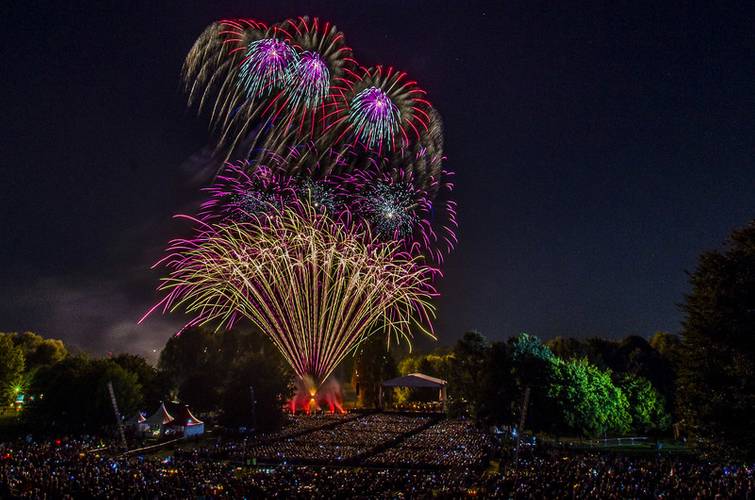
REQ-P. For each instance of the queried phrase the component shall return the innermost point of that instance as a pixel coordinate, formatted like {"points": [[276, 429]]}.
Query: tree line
{"points": [[701, 382]]}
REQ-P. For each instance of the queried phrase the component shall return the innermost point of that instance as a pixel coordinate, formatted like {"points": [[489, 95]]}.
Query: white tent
{"points": [[137, 424], [158, 420], [186, 423], [417, 380]]}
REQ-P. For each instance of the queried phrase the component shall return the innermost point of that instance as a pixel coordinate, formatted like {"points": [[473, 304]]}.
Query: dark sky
{"points": [[598, 149]]}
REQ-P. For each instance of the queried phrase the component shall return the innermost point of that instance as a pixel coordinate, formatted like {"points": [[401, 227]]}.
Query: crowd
{"points": [[450, 443], [562, 474], [398, 450], [300, 424], [335, 440], [76, 469]]}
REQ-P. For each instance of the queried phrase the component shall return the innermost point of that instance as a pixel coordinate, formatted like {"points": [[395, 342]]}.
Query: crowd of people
{"points": [[330, 440], [562, 474], [301, 424], [406, 456], [448, 444], [54, 474]]}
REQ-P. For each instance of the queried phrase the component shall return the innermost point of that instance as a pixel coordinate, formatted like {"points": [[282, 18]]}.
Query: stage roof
{"points": [[415, 380]]}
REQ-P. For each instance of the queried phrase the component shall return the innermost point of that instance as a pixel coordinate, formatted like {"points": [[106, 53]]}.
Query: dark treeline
{"points": [[212, 372], [699, 384]]}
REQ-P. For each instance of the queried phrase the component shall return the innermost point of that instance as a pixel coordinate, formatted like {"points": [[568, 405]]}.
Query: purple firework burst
{"points": [[309, 81], [394, 208], [374, 116], [266, 66], [242, 192]]}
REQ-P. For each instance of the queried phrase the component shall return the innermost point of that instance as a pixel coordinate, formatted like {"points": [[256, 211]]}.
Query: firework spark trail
{"points": [[334, 222], [267, 66], [314, 287], [374, 117]]}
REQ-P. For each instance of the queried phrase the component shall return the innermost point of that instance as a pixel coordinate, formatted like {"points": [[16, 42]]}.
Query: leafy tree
{"points": [[667, 344], [197, 362], [72, 395], [38, 350], [647, 407], [470, 360], [532, 367], [270, 379], [567, 347], [631, 355], [528, 349], [202, 390], [11, 369], [498, 386], [187, 354], [373, 364], [588, 401], [155, 388], [717, 358]]}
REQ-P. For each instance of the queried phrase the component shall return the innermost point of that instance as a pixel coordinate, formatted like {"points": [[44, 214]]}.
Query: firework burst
{"points": [[321, 196], [374, 117], [309, 81], [267, 66], [382, 109], [395, 208], [314, 287], [243, 191], [333, 225]]}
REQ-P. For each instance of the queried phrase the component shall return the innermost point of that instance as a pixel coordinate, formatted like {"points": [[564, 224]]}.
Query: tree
{"points": [[631, 355], [588, 401], [498, 386], [470, 358], [11, 369], [154, 387], [647, 407], [716, 391], [270, 378], [198, 361], [39, 351], [567, 347], [72, 396], [532, 367], [373, 364], [187, 354]]}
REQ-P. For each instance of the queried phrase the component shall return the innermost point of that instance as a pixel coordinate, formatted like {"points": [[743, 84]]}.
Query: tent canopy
{"points": [[160, 417], [184, 418], [136, 419], [415, 380]]}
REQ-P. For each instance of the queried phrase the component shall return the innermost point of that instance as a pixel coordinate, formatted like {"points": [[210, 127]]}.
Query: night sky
{"points": [[598, 150]]}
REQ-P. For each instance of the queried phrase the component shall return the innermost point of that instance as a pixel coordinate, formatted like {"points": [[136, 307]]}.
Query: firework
{"points": [[395, 208], [391, 209], [324, 65], [309, 81], [321, 196], [333, 225], [423, 161], [382, 109], [243, 191], [267, 66], [314, 287], [210, 72], [374, 117]]}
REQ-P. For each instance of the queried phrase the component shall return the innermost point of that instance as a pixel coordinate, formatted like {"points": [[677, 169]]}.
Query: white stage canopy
{"points": [[416, 380]]}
